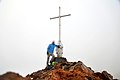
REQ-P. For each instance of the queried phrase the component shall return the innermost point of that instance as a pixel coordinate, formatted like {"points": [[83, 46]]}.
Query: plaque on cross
{"points": [[60, 16]]}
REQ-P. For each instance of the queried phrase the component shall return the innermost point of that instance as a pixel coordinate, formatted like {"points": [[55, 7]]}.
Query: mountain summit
{"points": [[62, 70]]}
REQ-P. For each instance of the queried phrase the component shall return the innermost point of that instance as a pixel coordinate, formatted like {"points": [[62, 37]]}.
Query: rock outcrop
{"points": [[70, 71], [63, 70], [12, 76]]}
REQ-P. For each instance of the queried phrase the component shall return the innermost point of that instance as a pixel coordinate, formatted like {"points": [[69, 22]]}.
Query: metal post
{"points": [[59, 25], [60, 16]]}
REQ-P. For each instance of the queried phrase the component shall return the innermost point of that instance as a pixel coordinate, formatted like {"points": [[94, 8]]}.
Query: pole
{"points": [[60, 16], [59, 25]]}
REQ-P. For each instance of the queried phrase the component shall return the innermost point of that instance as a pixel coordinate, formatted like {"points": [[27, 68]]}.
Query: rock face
{"points": [[70, 71], [62, 71], [12, 76]]}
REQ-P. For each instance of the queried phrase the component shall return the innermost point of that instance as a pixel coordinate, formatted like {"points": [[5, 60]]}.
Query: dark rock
{"points": [[59, 60], [107, 76]]}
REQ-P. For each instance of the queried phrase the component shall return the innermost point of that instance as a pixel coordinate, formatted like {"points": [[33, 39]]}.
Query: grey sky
{"points": [[91, 34]]}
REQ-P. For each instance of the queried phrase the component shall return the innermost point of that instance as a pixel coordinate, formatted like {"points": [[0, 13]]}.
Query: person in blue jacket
{"points": [[50, 51]]}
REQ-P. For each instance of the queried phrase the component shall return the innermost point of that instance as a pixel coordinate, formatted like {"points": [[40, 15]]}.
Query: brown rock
{"points": [[107, 76], [62, 71], [12, 76]]}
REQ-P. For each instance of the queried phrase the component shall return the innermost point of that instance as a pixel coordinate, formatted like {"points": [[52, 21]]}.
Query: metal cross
{"points": [[60, 22]]}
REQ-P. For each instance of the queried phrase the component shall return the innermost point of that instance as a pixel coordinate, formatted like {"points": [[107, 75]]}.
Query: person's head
{"points": [[53, 42]]}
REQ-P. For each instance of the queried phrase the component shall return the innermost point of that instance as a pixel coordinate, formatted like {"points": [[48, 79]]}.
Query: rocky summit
{"points": [[61, 69]]}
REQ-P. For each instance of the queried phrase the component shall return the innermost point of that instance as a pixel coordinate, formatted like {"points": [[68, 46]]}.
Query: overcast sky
{"points": [[91, 34]]}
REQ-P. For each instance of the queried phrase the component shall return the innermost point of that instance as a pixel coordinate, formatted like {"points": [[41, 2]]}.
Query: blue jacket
{"points": [[50, 48]]}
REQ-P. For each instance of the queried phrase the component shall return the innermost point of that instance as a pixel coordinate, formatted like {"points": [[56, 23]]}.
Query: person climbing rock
{"points": [[59, 49], [50, 51]]}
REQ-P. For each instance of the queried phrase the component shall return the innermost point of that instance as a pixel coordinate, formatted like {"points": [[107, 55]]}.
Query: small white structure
{"points": [[59, 49]]}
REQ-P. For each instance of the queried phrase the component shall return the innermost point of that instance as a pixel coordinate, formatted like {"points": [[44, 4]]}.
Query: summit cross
{"points": [[60, 16]]}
